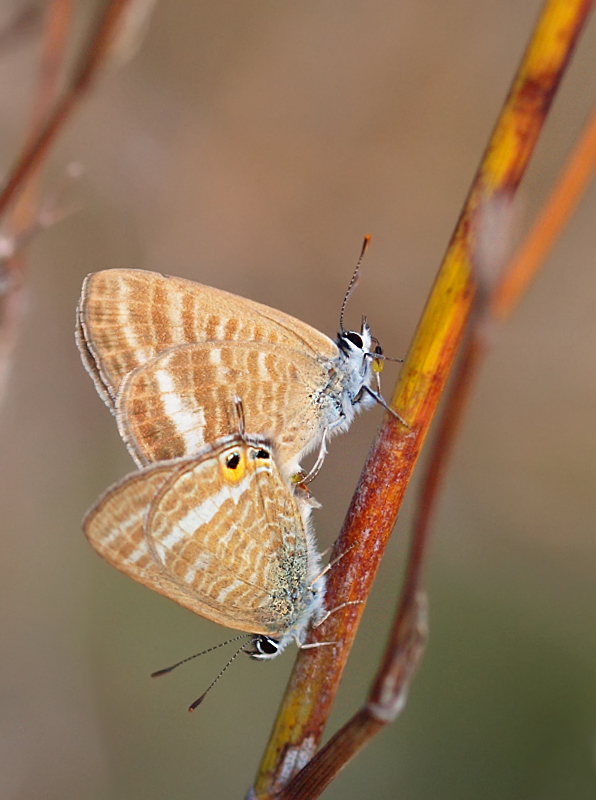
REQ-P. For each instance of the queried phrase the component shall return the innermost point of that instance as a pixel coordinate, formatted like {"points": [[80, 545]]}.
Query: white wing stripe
{"points": [[189, 426], [201, 515]]}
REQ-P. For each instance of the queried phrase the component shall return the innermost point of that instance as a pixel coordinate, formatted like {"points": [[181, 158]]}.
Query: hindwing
{"points": [[230, 546], [184, 398]]}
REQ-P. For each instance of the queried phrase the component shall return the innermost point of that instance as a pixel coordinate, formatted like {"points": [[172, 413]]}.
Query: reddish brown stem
{"points": [[409, 629], [374, 508], [385, 702], [513, 284], [359, 731]]}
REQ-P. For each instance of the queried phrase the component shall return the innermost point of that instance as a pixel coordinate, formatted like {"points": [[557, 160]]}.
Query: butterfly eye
{"points": [[355, 338], [378, 350], [264, 647]]}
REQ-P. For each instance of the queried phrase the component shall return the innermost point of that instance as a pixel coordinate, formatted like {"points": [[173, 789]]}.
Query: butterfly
{"points": [[167, 356], [223, 533]]}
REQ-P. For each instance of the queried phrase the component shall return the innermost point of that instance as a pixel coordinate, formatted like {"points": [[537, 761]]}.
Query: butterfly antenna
{"points": [[388, 358], [196, 655], [353, 281], [200, 699]]}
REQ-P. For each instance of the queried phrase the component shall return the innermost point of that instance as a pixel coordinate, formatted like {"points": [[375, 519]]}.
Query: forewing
{"points": [[230, 544], [184, 399], [127, 317], [114, 527]]}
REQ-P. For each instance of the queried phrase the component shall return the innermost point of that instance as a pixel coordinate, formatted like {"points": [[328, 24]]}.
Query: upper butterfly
{"points": [[168, 356]]}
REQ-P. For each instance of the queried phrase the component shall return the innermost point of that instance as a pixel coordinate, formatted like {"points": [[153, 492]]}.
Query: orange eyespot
{"points": [[233, 466]]}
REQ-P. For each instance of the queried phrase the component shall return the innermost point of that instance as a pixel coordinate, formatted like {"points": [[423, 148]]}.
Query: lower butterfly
{"points": [[222, 533]]}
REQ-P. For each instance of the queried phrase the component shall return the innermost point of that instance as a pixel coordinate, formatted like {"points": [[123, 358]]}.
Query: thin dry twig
{"points": [[57, 26], [528, 259], [94, 58], [20, 26], [374, 508], [46, 126]]}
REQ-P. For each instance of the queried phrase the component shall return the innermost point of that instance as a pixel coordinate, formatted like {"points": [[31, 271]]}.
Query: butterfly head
{"points": [[357, 347], [264, 647], [360, 349]]}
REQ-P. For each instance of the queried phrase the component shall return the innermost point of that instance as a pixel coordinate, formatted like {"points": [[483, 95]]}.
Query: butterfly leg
{"points": [[382, 402], [313, 644], [377, 374], [316, 467], [331, 564], [338, 608]]}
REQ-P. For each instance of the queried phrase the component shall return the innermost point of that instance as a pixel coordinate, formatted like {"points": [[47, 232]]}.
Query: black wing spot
{"points": [[232, 461]]}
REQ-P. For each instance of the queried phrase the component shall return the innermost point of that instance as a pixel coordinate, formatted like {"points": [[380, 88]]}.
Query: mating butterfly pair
{"points": [[217, 399]]}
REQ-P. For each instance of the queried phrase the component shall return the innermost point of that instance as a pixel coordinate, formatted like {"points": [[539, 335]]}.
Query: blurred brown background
{"points": [[250, 146]]}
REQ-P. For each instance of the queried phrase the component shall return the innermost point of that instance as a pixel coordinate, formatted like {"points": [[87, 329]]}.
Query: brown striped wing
{"points": [[184, 399], [216, 545], [127, 317], [115, 529]]}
